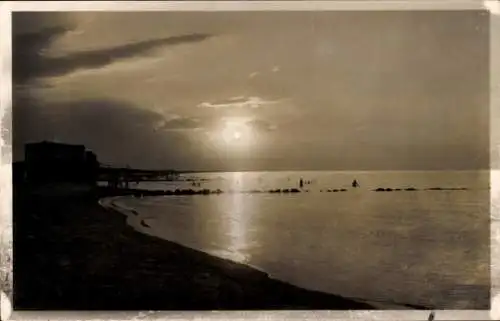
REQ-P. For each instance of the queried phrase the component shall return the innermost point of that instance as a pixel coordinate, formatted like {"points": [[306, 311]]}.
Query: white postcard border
{"points": [[492, 6]]}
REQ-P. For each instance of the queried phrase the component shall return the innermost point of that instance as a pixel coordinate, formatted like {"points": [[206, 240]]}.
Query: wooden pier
{"points": [[121, 177]]}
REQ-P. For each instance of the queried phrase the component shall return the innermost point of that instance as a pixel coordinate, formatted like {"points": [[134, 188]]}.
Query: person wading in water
{"points": [[355, 184]]}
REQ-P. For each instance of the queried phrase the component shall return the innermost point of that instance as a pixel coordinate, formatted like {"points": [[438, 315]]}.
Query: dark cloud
{"points": [[29, 61], [33, 22], [101, 58], [27, 49], [181, 123], [261, 125]]}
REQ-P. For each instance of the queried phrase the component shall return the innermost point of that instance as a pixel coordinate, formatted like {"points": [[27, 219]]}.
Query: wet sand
{"points": [[72, 254]]}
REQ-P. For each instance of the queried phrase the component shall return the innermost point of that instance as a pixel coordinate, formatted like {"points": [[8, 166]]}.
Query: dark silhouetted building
{"points": [[55, 162], [18, 172], [92, 166]]}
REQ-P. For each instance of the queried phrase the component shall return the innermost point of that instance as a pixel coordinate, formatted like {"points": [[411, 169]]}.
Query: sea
{"points": [[428, 247]]}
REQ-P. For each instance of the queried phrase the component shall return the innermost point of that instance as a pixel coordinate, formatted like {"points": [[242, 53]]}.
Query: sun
{"points": [[236, 134], [230, 134]]}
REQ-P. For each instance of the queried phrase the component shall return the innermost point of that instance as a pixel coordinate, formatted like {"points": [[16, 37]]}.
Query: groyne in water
{"points": [[380, 189], [285, 191]]}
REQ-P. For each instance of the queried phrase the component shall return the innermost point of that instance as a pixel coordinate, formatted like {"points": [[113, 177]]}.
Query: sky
{"points": [[380, 90]]}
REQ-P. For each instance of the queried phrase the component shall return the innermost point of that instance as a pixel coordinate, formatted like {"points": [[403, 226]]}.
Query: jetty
{"points": [[121, 176]]}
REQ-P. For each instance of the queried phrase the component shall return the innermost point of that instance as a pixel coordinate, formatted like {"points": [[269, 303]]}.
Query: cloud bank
{"points": [[260, 125], [239, 102], [180, 123], [30, 62]]}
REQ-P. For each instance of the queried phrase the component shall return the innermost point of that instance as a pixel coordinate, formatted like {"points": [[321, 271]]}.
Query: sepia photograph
{"points": [[251, 160]]}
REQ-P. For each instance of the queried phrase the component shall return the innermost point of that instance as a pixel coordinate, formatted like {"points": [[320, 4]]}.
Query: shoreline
{"points": [[113, 207], [73, 254]]}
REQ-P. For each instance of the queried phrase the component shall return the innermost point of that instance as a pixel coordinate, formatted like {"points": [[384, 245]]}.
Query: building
{"points": [[55, 162], [91, 166], [18, 172]]}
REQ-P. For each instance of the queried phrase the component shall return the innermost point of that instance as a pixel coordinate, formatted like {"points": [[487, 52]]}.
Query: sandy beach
{"points": [[72, 254]]}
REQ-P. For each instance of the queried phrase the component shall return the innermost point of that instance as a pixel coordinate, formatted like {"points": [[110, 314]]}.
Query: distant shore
{"points": [[72, 254]]}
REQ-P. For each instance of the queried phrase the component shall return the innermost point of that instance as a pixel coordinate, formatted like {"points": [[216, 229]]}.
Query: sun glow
{"points": [[236, 133]]}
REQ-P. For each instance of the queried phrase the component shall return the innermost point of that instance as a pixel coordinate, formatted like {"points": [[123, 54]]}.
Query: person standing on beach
{"points": [[301, 183], [355, 184]]}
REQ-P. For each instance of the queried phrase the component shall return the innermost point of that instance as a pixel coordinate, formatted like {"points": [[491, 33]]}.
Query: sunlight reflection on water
{"points": [[235, 223], [421, 247]]}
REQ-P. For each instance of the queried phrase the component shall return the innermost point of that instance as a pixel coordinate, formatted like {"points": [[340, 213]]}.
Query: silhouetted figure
{"points": [[301, 183], [355, 184], [431, 316]]}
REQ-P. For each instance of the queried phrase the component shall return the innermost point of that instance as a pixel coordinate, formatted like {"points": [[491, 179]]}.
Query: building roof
{"points": [[47, 143]]}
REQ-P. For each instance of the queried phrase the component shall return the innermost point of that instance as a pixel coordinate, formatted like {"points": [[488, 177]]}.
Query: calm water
{"points": [[420, 247]]}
